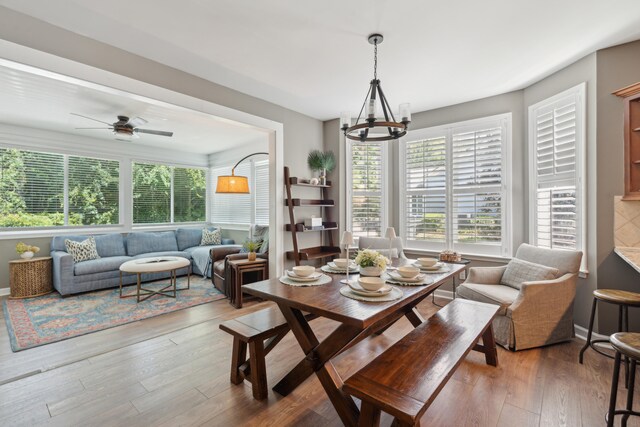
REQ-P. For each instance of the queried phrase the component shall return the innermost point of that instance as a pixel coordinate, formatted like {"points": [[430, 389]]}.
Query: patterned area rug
{"points": [[42, 320]]}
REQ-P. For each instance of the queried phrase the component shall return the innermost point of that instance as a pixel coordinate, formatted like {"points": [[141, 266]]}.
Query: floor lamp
{"points": [[391, 234]]}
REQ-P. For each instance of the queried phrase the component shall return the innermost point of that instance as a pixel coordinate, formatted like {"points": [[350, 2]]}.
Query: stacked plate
{"points": [[396, 277], [438, 267], [352, 267], [311, 278], [357, 289]]}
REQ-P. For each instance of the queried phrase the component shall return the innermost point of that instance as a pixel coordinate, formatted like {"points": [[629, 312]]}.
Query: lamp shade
{"points": [[391, 233], [232, 184], [347, 238]]}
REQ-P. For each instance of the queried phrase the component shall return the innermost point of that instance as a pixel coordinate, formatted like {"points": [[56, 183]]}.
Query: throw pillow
{"points": [[211, 237], [261, 233], [519, 271], [82, 251]]}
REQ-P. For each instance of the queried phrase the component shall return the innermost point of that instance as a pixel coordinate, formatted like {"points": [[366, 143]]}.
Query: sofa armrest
{"points": [[62, 272], [218, 254], [486, 275]]}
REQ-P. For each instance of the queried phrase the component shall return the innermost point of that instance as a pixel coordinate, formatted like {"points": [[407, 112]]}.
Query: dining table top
{"points": [[327, 301]]}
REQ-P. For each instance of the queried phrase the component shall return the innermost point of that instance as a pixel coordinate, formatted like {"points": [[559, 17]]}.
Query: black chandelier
{"points": [[363, 131]]}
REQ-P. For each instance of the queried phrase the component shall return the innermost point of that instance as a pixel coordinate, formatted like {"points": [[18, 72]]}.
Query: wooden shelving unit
{"points": [[631, 98], [317, 252]]}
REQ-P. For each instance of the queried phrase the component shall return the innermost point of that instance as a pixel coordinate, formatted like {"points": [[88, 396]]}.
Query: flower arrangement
{"points": [[251, 245], [23, 247], [371, 258]]}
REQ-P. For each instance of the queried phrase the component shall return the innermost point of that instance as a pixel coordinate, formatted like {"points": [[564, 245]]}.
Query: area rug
{"points": [[50, 318]]}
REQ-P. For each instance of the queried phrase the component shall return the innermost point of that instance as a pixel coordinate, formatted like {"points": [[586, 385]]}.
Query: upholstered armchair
{"points": [[535, 292], [381, 245]]}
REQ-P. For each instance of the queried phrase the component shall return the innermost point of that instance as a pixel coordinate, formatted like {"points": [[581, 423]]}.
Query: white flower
{"points": [[371, 258]]}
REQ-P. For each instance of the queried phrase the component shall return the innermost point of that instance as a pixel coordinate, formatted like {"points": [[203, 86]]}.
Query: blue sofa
{"points": [[115, 249]]}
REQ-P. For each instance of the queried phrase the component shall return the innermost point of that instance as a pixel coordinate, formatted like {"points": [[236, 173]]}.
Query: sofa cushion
{"points": [[500, 295], [82, 251], [190, 237], [146, 242], [99, 265], [182, 254], [106, 244], [519, 271]]}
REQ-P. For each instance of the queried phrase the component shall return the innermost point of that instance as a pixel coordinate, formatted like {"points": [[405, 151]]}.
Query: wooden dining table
{"points": [[357, 321]]}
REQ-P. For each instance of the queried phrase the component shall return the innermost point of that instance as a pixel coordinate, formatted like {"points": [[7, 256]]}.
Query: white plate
{"points": [[397, 277], [293, 276], [333, 265], [357, 289], [436, 266]]}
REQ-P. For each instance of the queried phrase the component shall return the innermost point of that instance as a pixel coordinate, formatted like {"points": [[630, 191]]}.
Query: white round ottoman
{"points": [[141, 266]]}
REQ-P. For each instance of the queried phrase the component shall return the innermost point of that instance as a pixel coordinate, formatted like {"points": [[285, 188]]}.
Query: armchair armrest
{"points": [[62, 272], [486, 275], [545, 296], [218, 254]]}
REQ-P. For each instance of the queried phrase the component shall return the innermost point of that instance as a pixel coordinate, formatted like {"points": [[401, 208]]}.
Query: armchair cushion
{"points": [[519, 271], [500, 295]]}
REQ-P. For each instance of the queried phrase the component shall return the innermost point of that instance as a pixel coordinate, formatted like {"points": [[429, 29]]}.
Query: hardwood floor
{"points": [[174, 370]]}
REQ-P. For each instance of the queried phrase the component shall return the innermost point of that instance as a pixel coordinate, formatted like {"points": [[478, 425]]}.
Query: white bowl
{"points": [[408, 272], [341, 262], [371, 283], [304, 270], [427, 262]]}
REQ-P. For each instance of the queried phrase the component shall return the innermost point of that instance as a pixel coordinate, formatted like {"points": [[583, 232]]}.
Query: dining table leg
{"points": [[318, 360]]}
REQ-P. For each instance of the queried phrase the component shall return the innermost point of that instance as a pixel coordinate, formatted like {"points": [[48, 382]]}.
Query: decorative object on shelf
{"points": [[314, 181], [232, 184], [346, 241], [372, 263], [449, 256], [251, 246], [26, 251], [313, 222], [364, 131], [323, 162]]}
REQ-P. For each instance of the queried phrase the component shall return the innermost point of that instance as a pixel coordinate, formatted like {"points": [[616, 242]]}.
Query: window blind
{"points": [[366, 189], [261, 193], [151, 193], [231, 208], [93, 191], [555, 137], [189, 195]]}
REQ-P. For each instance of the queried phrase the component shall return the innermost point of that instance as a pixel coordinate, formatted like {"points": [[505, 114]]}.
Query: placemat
{"points": [[391, 296], [328, 269], [322, 280]]}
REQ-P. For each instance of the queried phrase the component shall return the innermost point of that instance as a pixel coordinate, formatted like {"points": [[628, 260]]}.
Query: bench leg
{"points": [[258, 369], [369, 415], [238, 357], [489, 344], [397, 423]]}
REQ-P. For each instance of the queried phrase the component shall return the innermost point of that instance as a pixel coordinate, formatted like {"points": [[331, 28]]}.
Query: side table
{"points": [[462, 261], [30, 277], [238, 268]]}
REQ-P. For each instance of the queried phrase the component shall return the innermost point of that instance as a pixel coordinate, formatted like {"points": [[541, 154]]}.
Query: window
{"points": [[453, 191], [367, 184], [168, 194], [243, 209], [40, 189], [556, 150]]}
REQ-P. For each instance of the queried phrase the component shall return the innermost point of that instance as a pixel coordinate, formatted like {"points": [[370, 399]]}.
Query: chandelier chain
{"points": [[375, 59]]}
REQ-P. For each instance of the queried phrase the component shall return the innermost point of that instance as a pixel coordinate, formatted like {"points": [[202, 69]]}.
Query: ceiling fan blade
{"points": [[153, 132], [94, 128], [90, 118], [137, 121]]}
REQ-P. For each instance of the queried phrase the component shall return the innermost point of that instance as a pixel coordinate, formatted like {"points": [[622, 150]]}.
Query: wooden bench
{"points": [[407, 377], [261, 330]]}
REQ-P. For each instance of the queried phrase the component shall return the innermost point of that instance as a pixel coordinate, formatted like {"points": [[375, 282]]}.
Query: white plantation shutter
{"points": [[425, 186], [231, 208], [366, 179], [556, 138], [262, 193]]}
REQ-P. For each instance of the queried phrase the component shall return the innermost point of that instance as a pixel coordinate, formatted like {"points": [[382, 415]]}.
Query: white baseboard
{"points": [[4, 292]]}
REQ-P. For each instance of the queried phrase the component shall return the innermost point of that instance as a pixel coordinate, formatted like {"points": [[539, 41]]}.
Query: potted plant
{"points": [[324, 162], [372, 263], [26, 251], [251, 246]]}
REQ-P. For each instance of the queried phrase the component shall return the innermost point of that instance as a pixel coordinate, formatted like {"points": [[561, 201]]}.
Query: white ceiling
{"points": [[313, 57], [42, 102]]}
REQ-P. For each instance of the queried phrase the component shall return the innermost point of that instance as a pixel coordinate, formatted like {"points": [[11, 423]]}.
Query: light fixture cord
{"points": [[375, 59]]}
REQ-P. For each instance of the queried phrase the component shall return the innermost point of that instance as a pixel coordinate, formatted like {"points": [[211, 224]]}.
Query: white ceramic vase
{"points": [[370, 271], [26, 255]]}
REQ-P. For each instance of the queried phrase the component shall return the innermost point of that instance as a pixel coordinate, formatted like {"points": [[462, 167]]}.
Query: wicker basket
{"points": [[30, 277]]}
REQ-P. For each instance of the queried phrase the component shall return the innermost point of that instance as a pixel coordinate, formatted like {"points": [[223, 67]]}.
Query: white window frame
{"points": [[448, 130], [385, 205], [577, 94]]}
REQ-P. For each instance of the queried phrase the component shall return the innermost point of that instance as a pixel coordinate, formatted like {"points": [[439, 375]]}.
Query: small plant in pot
{"points": [[26, 251], [372, 263], [323, 162], [251, 246]]}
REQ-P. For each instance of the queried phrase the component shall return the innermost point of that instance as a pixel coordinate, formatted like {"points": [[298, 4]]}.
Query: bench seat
{"points": [[405, 379]]}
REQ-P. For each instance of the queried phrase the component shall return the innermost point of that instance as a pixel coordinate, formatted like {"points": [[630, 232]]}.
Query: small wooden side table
{"points": [[30, 277], [238, 268]]}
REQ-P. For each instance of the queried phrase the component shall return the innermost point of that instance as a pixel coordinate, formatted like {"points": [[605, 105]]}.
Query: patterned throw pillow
{"points": [[82, 251], [211, 237], [519, 271]]}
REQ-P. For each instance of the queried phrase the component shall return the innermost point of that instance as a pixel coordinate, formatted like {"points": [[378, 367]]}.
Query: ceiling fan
{"points": [[126, 127]]}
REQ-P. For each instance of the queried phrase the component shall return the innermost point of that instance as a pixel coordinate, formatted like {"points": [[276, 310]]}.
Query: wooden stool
{"points": [[625, 344]]}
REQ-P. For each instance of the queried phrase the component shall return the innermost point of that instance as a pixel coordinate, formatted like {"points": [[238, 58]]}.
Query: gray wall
{"points": [[301, 133]]}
